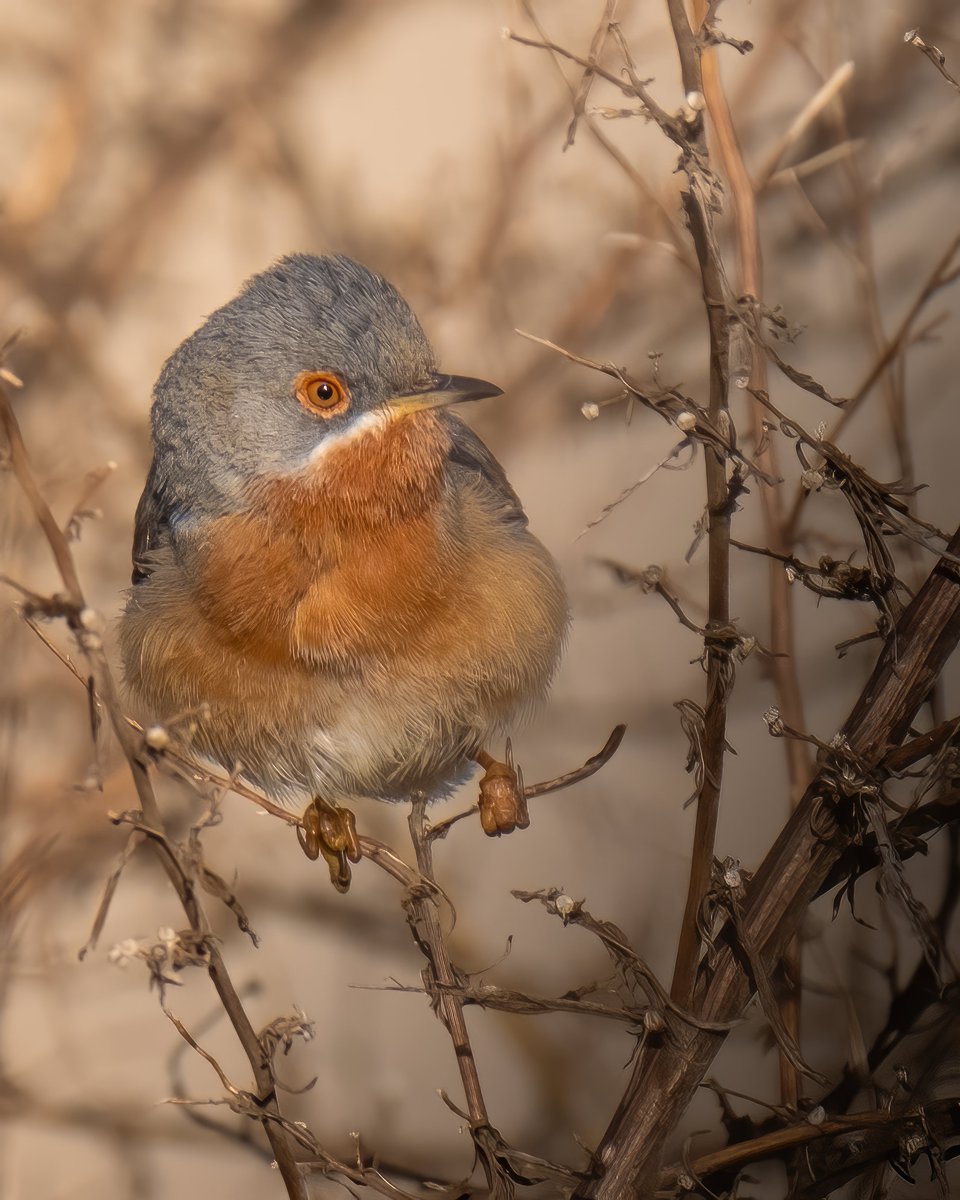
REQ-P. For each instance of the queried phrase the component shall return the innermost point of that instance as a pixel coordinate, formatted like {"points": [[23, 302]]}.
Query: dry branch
{"points": [[820, 829], [83, 624], [934, 54]]}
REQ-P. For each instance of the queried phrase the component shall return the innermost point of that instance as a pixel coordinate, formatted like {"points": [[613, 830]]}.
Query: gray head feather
{"points": [[224, 407]]}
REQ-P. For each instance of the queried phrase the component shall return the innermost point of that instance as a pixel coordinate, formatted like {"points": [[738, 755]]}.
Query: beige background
{"points": [[154, 154]]}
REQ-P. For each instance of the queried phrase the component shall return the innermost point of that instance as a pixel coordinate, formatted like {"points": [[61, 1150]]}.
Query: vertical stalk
{"points": [[442, 983], [782, 641], [718, 517]]}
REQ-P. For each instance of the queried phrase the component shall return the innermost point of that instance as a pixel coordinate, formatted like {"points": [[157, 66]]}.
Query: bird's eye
{"points": [[322, 393]]}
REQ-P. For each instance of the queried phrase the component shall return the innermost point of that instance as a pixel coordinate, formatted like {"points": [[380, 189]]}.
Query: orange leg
{"points": [[331, 831], [503, 807]]}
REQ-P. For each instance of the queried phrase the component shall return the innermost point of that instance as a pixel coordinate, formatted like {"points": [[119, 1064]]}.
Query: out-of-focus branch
{"points": [[665, 218], [59, 548], [801, 122], [943, 273]]}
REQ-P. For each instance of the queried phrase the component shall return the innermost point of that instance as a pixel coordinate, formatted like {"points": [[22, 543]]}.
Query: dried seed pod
{"points": [[503, 807]]}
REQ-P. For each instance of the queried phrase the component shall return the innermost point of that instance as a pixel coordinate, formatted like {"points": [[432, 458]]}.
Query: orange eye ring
{"points": [[322, 393]]}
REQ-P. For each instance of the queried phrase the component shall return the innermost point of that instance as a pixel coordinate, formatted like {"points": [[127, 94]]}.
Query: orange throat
{"points": [[340, 560], [388, 473]]}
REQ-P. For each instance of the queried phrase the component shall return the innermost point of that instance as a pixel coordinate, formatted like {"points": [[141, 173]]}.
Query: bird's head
{"points": [[311, 354]]}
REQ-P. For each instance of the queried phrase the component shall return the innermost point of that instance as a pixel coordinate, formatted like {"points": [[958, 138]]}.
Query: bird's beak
{"points": [[443, 390]]}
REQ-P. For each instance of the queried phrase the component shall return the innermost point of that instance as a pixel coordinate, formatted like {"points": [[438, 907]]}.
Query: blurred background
{"points": [[152, 156]]}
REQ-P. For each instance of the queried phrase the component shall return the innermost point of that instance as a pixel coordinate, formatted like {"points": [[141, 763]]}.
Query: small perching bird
{"points": [[330, 562]]}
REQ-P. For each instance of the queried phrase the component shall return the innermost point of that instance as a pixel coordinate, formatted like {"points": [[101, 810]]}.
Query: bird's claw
{"points": [[503, 806], [331, 831]]}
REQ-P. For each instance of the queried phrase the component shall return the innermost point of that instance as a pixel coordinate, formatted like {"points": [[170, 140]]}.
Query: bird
{"points": [[330, 565]]}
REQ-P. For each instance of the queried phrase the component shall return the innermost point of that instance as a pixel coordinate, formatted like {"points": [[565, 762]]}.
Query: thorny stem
{"points": [[106, 689], [782, 641]]}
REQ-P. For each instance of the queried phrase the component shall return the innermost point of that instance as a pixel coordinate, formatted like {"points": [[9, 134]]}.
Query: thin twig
{"points": [[674, 452], [590, 767], [933, 53], [632, 88], [940, 276], [583, 87]]}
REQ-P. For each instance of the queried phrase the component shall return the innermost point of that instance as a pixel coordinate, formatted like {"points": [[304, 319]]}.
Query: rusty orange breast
{"points": [[344, 559]]}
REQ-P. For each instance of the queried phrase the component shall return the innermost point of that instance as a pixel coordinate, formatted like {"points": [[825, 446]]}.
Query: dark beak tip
{"points": [[465, 387], [443, 390], [486, 392]]}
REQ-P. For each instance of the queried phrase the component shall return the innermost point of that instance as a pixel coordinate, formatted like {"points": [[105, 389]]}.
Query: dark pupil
{"points": [[325, 391]]}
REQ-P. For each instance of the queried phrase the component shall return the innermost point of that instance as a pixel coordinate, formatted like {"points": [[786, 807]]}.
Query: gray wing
{"points": [[151, 530], [469, 457]]}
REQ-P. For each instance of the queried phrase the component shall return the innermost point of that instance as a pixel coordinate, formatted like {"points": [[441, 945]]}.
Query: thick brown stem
{"points": [[665, 1077]]}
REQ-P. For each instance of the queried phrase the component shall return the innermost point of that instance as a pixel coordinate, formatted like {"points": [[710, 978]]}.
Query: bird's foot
{"points": [[503, 806], [331, 831]]}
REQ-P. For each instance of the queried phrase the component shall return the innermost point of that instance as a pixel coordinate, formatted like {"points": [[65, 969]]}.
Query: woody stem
{"points": [[440, 970]]}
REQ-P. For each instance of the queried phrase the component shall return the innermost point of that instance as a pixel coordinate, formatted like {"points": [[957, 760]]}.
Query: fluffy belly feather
{"points": [[340, 698]]}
